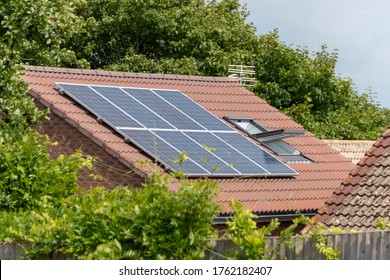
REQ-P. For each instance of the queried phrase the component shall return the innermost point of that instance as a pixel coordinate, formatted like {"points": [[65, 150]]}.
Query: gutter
{"points": [[221, 220]]}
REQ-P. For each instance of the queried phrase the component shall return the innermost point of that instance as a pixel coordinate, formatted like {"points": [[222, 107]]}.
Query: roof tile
{"points": [[365, 194], [351, 149]]}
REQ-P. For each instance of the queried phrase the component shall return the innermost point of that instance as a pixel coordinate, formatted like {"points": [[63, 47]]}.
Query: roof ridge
{"points": [[118, 74]]}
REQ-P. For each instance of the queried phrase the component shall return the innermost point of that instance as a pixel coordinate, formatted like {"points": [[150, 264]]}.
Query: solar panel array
{"points": [[165, 123]]}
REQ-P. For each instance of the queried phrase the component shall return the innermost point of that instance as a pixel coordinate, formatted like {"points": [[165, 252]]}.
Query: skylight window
{"points": [[270, 139]]}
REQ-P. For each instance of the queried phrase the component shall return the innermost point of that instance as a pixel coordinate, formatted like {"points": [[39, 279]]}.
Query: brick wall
{"points": [[69, 139]]}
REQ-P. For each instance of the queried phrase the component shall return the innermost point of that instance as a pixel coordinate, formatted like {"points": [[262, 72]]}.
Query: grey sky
{"points": [[359, 29]]}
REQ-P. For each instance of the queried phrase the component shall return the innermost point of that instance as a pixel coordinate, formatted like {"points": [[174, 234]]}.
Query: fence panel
{"points": [[10, 251], [373, 245], [385, 246]]}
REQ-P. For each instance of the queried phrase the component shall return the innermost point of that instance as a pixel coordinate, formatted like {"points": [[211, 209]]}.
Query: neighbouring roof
{"points": [[351, 149], [365, 194], [304, 193]]}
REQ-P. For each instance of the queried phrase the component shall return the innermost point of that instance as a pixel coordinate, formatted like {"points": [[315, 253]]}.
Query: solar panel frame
{"points": [[128, 104], [94, 111], [169, 165], [164, 109], [198, 153], [156, 151], [272, 160], [228, 154], [211, 122]]}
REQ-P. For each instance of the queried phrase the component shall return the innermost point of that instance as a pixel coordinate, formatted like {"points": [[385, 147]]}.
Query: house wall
{"points": [[69, 140]]}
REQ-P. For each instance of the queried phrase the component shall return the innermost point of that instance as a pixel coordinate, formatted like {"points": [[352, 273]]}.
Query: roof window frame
{"points": [[271, 139]]}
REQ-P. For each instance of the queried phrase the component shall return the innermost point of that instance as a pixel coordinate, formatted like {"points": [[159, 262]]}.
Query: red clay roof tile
{"points": [[365, 194]]}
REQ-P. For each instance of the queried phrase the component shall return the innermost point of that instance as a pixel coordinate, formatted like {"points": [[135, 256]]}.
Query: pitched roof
{"points": [[351, 149], [365, 194], [222, 97]]}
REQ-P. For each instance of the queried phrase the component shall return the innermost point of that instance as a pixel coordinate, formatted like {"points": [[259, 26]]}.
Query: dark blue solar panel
{"points": [[227, 153], [222, 153], [163, 109], [192, 109], [197, 153], [161, 151], [132, 107], [254, 152], [99, 106]]}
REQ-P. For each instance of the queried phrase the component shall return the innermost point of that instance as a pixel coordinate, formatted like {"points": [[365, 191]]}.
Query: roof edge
{"points": [[266, 218]]}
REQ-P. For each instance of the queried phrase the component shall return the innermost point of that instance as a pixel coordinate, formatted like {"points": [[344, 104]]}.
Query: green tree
{"points": [[30, 30], [38, 30], [304, 86], [16, 108], [192, 37], [27, 174]]}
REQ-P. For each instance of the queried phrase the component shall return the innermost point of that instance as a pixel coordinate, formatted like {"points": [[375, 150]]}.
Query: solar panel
{"points": [[134, 108], [100, 106], [250, 150], [162, 151], [165, 123], [228, 154], [201, 154], [188, 106], [163, 109]]}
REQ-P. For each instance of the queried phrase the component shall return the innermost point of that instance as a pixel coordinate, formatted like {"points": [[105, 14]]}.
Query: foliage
{"points": [[148, 223], [37, 194], [31, 31], [37, 30], [181, 37], [27, 173], [242, 230], [305, 87], [319, 231], [17, 110], [286, 234]]}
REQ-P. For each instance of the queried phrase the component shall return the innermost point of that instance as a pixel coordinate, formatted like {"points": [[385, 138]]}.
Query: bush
{"points": [[27, 174], [148, 223], [242, 230]]}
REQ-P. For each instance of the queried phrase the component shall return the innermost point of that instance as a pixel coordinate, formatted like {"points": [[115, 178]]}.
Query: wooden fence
{"points": [[14, 251], [373, 245], [10, 251]]}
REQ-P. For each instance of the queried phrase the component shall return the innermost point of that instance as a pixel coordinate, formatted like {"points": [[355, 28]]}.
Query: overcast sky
{"points": [[359, 29]]}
